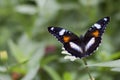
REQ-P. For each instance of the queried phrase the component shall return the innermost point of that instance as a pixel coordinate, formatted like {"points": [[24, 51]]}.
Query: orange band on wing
{"points": [[95, 33], [66, 38]]}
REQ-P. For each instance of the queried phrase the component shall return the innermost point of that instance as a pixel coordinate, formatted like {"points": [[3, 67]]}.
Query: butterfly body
{"points": [[81, 46]]}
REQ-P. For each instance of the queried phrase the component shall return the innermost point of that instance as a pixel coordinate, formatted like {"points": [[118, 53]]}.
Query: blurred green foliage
{"points": [[24, 36]]}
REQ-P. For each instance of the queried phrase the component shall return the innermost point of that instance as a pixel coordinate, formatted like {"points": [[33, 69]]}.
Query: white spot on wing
{"points": [[90, 43], [52, 29], [76, 47], [98, 26], [62, 32], [105, 19]]}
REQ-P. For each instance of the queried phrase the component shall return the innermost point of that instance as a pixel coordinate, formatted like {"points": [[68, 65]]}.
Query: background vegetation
{"points": [[29, 52]]}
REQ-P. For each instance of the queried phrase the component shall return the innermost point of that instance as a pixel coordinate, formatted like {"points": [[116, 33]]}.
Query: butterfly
{"points": [[84, 45]]}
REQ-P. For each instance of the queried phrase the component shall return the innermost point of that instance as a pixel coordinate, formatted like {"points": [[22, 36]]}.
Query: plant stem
{"points": [[87, 69]]}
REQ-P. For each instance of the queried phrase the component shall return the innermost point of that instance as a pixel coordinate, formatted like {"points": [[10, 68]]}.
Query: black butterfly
{"points": [[84, 45]]}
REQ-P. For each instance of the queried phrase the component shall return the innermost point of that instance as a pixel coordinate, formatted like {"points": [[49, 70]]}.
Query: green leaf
{"points": [[47, 60], [115, 55], [115, 69], [23, 49], [115, 63], [33, 65], [67, 76], [3, 69], [53, 74], [17, 53], [26, 9], [5, 77]]}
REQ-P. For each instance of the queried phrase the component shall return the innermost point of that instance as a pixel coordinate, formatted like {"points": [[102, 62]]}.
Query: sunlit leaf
{"points": [[115, 63], [115, 55], [26, 9], [3, 69], [67, 76], [116, 69]]}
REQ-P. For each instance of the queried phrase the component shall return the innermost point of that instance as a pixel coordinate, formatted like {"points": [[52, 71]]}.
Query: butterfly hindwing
{"points": [[93, 36]]}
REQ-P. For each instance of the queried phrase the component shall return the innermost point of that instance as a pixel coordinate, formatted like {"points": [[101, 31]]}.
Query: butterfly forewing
{"points": [[71, 42], [62, 34], [93, 36]]}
